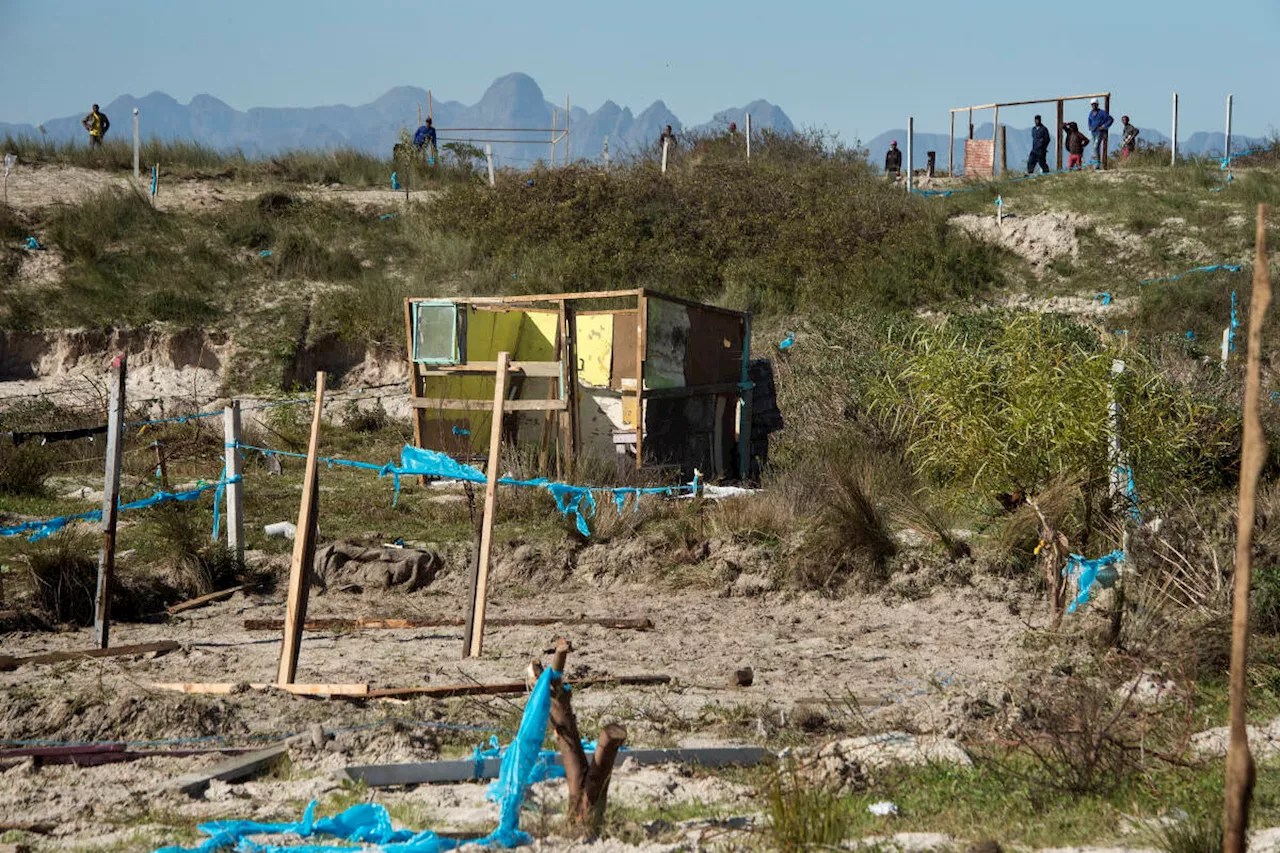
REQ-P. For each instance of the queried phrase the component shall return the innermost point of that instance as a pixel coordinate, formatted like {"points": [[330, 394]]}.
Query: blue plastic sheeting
{"points": [[1104, 298], [395, 181], [155, 179], [1087, 573], [369, 823], [43, 529], [1211, 268], [33, 244], [578, 501]]}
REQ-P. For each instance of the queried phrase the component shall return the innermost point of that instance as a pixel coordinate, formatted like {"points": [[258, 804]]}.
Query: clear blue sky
{"points": [[852, 67]]}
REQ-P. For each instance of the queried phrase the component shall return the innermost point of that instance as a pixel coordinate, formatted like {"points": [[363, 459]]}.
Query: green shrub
{"points": [[24, 469]]}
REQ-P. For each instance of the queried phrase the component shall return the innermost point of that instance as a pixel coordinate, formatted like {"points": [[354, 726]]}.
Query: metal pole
{"points": [[911, 138], [606, 152], [234, 470], [664, 155], [1173, 142], [488, 155], [553, 138], [1226, 143], [110, 505], [566, 130], [136, 173]]}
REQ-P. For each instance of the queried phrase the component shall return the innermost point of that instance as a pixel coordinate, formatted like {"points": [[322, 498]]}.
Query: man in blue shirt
{"points": [[426, 138], [1100, 122], [1039, 148]]}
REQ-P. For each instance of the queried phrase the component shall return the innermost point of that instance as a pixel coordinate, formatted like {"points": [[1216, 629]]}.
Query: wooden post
{"points": [[745, 396], [1173, 140], [951, 149], [419, 115], [748, 123], [1226, 137], [971, 122], [431, 114], [474, 641], [110, 504], [572, 423], [911, 141], [304, 550], [136, 173], [488, 155], [1062, 118], [415, 382], [234, 470], [664, 155], [1240, 772], [566, 130], [642, 332], [1102, 155], [162, 464], [1004, 150]]}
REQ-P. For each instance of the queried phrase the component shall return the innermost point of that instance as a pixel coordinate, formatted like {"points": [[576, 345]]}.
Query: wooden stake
{"points": [[488, 155], [136, 173], [1103, 154], [1173, 140], [951, 149], [162, 464], [1240, 771], [415, 382], [566, 130], [234, 470], [481, 589], [1062, 117], [642, 332], [110, 505], [304, 548]]}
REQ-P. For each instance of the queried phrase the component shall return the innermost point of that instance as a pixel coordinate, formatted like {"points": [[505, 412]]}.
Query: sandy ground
{"points": [[32, 187], [855, 658]]}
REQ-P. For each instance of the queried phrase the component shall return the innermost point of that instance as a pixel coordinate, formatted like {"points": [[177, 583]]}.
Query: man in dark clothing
{"points": [[1039, 148], [1128, 138], [425, 138], [97, 124], [667, 139], [1100, 122], [893, 159]]}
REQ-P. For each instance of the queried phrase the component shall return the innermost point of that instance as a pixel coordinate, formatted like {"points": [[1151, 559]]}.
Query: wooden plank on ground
{"points": [[206, 599], [8, 662], [336, 624], [468, 770], [231, 770], [224, 688], [304, 548]]}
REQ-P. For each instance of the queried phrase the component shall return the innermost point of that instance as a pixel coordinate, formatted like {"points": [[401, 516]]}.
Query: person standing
{"points": [[425, 140], [893, 159], [1039, 148], [669, 140], [1076, 143], [1100, 122], [97, 124], [1128, 138]]}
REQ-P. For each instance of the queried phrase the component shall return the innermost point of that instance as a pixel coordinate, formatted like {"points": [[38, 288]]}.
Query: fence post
{"points": [[234, 471], [664, 155], [110, 505], [1173, 141], [606, 152], [1004, 150], [748, 137], [488, 155], [136, 172], [1226, 140], [911, 143]]}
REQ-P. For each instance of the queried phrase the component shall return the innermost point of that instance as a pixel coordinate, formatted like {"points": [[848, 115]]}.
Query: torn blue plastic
{"points": [[33, 244], [1210, 268], [1104, 298], [369, 823], [395, 181], [265, 253], [1086, 573], [788, 342]]}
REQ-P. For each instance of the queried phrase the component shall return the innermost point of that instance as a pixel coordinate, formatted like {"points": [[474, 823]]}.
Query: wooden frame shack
{"points": [[650, 379], [980, 154]]}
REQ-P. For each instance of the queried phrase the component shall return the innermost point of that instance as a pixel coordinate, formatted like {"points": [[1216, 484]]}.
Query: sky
{"points": [[855, 68]]}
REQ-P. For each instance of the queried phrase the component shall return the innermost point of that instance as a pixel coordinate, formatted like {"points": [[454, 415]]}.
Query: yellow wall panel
{"points": [[594, 337]]}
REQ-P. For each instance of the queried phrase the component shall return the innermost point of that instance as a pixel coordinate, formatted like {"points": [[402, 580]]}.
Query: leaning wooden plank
{"points": [[446, 691], [468, 770], [224, 688], [228, 771], [336, 624], [114, 651], [206, 599]]}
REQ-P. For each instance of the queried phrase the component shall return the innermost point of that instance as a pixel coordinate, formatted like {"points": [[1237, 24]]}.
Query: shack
{"points": [[633, 375]]}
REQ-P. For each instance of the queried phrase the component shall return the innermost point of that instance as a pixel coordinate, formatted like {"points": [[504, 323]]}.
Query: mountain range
{"points": [[512, 101]]}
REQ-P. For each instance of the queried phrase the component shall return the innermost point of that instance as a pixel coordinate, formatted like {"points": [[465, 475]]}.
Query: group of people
{"points": [[1100, 122]]}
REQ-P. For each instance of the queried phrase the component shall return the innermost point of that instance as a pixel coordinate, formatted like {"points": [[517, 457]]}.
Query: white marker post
{"points": [[1173, 140], [488, 155], [606, 152], [1226, 137], [9, 161], [664, 155], [1226, 347], [748, 137], [911, 142], [136, 172], [234, 467]]}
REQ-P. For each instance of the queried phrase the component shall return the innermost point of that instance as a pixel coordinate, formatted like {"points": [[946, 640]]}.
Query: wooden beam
{"points": [[7, 662], [207, 599], [469, 770], [241, 767], [226, 688], [642, 333], [110, 504], [520, 300], [338, 624], [691, 391], [304, 547], [1062, 117], [473, 644], [485, 405], [537, 369], [689, 303]]}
